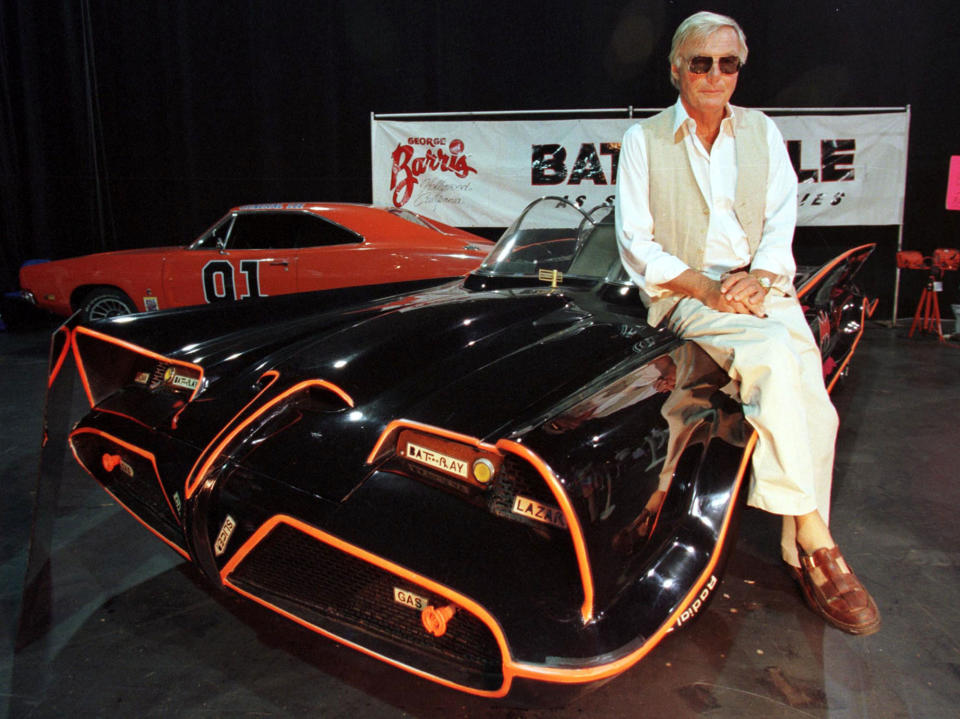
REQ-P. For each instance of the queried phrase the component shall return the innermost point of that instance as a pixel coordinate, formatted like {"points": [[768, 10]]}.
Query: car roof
{"points": [[308, 206], [360, 217]]}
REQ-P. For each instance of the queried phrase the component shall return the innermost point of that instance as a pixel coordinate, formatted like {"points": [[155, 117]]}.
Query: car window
{"points": [[412, 217], [286, 230], [213, 238], [552, 234]]}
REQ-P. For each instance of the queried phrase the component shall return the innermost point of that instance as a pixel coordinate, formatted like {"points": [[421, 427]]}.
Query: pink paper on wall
{"points": [[953, 184]]}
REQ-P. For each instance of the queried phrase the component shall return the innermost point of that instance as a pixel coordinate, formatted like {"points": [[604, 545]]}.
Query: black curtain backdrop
{"points": [[136, 124]]}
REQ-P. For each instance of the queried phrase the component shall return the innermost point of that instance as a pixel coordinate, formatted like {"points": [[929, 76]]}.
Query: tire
{"points": [[103, 302]]}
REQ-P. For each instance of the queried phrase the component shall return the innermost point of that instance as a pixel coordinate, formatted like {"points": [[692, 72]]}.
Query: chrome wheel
{"points": [[101, 304]]}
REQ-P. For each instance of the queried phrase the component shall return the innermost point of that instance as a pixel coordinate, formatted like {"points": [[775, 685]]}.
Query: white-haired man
{"points": [[706, 209]]}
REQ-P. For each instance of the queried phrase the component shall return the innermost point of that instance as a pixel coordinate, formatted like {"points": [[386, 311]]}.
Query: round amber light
{"points": [[483, 470]]}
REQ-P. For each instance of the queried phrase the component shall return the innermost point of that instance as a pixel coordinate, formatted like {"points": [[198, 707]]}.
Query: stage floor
{"points": [[127, 628]]}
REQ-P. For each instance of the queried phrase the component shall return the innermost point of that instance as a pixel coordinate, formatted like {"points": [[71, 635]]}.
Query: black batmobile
{"points": [[509, 484]]}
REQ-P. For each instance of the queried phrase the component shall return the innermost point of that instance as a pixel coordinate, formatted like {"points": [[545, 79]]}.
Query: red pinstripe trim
{"points": [[318, 534], [573, 522], [132, 348], [856, 341], [64, 351], [610, 669], [193, 480], [146, 455], [827, 268]]}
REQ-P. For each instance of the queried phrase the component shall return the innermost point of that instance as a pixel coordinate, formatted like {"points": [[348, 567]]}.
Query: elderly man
{"points": [[706, 208]]}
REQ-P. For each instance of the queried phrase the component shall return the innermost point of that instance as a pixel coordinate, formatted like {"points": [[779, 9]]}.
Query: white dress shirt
{"points": [[716, 174]]}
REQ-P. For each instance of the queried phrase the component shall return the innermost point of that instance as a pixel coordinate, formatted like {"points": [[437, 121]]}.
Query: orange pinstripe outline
{"points": [[146, 455], [399, 424], [193, 480], [573, 522], [274, 378], [132, 348], [624, 663], [65, 350], [853, 348], [318, 534], [511, 668], [826, 268], [609, 669]]}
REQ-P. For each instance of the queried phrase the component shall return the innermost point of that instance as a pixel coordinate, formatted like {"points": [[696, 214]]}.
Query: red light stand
{"points": [[944, 259]]}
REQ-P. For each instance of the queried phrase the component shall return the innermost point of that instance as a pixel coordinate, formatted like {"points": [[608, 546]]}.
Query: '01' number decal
{"points": [[219, 283]]}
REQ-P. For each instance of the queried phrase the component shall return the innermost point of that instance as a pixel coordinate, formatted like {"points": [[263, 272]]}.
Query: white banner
{"points": [[482, 173]]}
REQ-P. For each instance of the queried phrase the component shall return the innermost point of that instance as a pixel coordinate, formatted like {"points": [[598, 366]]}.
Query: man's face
{"points": [[706, 94]]}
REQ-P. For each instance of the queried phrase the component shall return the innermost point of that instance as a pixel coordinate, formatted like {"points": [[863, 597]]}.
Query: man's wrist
{"points": [[766, 279]]}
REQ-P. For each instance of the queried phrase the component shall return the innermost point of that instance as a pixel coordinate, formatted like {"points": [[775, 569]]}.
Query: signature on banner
{"points": [[434, 191]]}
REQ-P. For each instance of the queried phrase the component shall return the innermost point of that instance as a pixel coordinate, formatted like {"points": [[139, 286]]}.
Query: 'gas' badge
{"points": [[409, 599]]}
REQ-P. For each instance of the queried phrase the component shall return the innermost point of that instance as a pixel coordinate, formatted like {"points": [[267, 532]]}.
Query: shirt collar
{"points": [[680, 118]]}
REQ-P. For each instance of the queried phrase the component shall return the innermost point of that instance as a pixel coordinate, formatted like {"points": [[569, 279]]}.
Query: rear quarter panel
{"points": [[59, 285]]}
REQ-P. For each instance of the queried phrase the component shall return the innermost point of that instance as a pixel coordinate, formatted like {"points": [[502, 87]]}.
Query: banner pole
{"points": [[896, 280]]}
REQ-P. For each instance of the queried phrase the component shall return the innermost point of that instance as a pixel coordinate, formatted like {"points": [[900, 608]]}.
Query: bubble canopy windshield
{"points": [[553, 234]]}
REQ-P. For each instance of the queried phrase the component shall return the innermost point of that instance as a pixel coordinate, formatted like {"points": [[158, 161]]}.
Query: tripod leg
{"points": [[916, 315], [936, 316]]}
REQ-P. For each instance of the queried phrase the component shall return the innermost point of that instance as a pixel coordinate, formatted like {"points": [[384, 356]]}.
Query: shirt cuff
{"points": [[663, 269]]}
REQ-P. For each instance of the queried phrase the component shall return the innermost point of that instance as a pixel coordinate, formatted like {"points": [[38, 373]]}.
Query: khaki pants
{"points": [[778, 368]]}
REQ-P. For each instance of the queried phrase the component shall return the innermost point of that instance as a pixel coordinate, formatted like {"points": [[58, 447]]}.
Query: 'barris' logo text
{"points": [[439, 157]]}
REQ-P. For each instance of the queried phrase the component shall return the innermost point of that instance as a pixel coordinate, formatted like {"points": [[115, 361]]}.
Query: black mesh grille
{"points": [[321, 580], [140, 493]]}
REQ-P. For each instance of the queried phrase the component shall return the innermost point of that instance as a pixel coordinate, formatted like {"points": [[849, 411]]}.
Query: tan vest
{"points": [[679, 209]]}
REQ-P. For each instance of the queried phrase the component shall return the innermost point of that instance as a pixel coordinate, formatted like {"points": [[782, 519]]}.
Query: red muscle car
{"points": [[258, 251]]}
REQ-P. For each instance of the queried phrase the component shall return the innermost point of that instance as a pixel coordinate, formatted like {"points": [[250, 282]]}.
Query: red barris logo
{"points": [[407, 168]]}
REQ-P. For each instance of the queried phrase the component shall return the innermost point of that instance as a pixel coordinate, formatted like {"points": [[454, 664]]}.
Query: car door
{"points": [[248, 254], [332, 255]]}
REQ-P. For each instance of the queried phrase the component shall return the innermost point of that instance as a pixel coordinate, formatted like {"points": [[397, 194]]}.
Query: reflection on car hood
{"points": [[447, 357], [462, 359]]}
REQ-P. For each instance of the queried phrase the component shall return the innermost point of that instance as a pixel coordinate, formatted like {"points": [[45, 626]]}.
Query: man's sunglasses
{"points": [[701, 64]]}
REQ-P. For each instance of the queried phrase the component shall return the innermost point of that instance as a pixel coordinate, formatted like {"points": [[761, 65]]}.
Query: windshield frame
{"points": [[593, 225]]}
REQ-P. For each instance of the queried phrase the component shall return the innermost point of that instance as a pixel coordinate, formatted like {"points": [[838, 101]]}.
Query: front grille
{"points": [[141, 493], [316, 581]]}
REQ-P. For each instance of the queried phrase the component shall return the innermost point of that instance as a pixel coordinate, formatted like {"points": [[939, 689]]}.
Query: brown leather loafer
{"points": [[833, 591]]}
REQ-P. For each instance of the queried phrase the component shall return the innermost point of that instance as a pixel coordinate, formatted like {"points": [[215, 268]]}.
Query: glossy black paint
{"points": [[612, 407]]}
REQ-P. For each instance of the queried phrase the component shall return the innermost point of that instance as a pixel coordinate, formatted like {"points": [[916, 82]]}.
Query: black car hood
{"points": [[464, 362], [484, 364]]}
